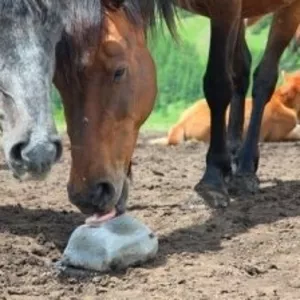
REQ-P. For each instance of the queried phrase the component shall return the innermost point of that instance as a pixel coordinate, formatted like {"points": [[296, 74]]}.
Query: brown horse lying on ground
{"points": [[279, 123]]}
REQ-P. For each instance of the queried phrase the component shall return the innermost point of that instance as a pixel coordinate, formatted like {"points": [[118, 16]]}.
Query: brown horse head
{"points": [[106, 100]]}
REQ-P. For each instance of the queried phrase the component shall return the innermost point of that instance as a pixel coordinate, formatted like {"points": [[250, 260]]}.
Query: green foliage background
{"points": [[182, 64]]}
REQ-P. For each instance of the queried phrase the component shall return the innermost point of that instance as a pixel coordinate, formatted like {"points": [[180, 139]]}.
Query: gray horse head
{"points": [[30, 30]]}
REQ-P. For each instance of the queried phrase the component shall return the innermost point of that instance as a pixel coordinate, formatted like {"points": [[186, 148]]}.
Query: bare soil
{"points": [[249, 251]]}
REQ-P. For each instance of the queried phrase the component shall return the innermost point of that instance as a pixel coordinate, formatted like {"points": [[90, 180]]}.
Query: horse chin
{"points": [[100, 217], [36, 176], [22, 173], [120, 206], [19, 172], [116, 207]]}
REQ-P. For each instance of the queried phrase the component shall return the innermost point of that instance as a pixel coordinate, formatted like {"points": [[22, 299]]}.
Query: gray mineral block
{"points": [[116, 244]]}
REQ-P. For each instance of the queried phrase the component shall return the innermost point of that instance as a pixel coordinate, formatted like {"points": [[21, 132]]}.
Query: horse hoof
{"points": [[244, 184], [214, 197]]}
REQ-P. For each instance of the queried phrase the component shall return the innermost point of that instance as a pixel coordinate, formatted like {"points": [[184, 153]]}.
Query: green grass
{"points": [[196, 30], [162, 120]]}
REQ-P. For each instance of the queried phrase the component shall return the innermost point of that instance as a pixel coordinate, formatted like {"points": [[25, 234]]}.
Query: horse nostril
{"points": [[16, 151], [102, 194]]}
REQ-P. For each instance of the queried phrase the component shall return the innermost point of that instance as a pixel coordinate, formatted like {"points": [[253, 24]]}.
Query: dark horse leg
{"points": [[284, 25], [218, 89], [241, 76]]}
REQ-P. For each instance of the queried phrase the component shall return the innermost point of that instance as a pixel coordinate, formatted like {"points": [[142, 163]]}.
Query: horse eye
{"points": [[118, 74]]}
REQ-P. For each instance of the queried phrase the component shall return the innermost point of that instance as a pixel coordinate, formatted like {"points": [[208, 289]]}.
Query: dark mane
{"points": [[83, 25], [149, 10], [82, 19], [83, 29], [152, 10]]}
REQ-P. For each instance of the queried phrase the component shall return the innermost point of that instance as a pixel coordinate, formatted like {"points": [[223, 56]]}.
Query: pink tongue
{"points": [[97, 219]]}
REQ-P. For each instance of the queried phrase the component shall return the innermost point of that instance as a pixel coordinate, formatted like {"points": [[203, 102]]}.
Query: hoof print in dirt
{"points": [[114, 245]]}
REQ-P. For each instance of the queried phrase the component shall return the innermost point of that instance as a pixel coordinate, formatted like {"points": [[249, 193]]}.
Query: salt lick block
{"points": [[116, 244]]}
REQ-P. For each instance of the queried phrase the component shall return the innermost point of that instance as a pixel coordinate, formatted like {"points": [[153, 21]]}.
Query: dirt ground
{"points": [[249, 251]]}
